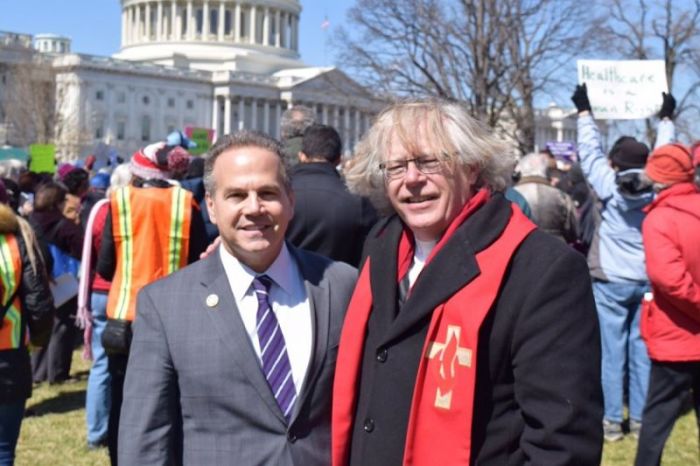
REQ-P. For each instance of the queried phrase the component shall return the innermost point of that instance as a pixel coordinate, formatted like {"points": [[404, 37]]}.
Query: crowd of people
{"points": [[432, 299]]}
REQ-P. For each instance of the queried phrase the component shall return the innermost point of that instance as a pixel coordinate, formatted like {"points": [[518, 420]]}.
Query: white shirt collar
{"points": [[241, 276]]}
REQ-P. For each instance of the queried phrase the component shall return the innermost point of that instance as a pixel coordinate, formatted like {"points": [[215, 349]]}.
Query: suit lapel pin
{"points": [[212, 300]]}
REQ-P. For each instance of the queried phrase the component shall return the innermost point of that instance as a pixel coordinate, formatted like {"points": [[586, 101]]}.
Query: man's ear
{"points": [[210, 208], [303, 158]]}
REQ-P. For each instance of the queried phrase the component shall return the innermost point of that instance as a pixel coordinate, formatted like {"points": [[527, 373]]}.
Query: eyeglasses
{"points": [[393, 169]]}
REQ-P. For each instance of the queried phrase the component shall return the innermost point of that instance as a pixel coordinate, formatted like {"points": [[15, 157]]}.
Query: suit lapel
{"points": [[318, 294], [452, 268], [228, 324]]}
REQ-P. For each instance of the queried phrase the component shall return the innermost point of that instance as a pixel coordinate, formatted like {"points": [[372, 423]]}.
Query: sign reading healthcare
{"points": [[623, 90]]}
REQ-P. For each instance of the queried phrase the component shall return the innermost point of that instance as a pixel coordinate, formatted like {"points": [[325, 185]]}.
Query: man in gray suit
{"points": [[232, 358]]}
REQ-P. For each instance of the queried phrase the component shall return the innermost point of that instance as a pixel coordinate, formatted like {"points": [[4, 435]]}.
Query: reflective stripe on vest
{"points": [[151, 228], [11, 274]]}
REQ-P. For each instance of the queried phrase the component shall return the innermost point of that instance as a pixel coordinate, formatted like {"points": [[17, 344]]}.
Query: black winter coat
{"points": [[37, 318], [538, 397]]}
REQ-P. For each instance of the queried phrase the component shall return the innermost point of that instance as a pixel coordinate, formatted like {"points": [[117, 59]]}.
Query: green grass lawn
{"points": [[55, 436]]}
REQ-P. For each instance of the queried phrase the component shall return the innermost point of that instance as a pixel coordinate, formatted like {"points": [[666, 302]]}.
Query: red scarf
{"points": [[439, 428]]}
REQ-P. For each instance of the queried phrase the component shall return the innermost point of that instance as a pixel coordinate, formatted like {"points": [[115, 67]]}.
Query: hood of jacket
{"points": [[683, 197], [8, 220]]}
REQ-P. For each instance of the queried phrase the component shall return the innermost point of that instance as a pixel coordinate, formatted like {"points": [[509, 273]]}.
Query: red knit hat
{"points": [[144, 163], [670, 164]]}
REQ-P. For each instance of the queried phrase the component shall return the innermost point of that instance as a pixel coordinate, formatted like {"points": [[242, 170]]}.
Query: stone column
{"points": [[148, 22], [215, 115], [266, 117], [227, 114], [173, 20], [222, 20], [159, 22], [324, 113], [278, 118], [205, 20], [346, 123], [253, 24], [278, 28], [190, 21], [241, 113], [237, 23], [295, 34], [254, 114], [137, 22], [124, 21], [358, 132], [266, 26], [284, 30]]}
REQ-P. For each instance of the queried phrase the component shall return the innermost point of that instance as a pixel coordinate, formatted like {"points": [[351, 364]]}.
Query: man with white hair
{"points": [[471, 337], [551, 208]]}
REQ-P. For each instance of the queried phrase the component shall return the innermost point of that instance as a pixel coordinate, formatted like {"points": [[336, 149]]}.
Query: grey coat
{"points": [[194, 392]]}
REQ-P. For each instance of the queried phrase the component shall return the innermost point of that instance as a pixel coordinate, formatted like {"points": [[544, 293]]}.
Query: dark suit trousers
{"points": [[53, 362], [117, 371], [668, 386]]}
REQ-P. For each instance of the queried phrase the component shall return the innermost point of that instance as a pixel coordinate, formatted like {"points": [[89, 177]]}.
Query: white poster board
{"points": [[623, 89]]}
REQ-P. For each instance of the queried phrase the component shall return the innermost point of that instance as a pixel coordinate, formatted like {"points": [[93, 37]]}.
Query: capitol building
{"points": [[215, 64]]}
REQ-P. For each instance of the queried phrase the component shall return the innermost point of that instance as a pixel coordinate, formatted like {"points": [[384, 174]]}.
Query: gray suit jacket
{"points": [[194, 392]]}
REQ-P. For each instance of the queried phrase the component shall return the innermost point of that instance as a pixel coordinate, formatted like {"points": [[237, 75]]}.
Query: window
{"points": [[227, 23], [214, 21], [100, 95], [146, 128], [121, 130], [121, 97], [190, 104], [171, 102], [198, 17], [146, 100], [99, 131]]}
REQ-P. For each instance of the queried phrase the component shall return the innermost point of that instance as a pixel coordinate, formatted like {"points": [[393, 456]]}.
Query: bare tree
{"points": [[496, 56], [663, 29], [29, 103]]}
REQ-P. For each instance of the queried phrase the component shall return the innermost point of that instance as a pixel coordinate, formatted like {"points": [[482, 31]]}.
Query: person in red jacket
{"points": [[670, 322]]}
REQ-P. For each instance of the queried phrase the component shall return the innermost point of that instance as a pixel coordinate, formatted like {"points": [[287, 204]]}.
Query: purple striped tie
{"points": [[275, 361]]}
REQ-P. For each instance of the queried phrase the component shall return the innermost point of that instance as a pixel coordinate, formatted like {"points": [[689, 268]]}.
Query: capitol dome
{"points": [[259, 36]]}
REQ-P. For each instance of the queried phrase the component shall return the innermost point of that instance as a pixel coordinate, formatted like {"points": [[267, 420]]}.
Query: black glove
{"points": [[580, 98], [668, 106]]}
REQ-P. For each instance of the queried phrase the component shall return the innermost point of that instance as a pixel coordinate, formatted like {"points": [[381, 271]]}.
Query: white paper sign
{"points": [[623, 90]]}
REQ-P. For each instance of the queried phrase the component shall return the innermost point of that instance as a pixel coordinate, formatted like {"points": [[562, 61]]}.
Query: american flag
{"points": [[325, 24]]}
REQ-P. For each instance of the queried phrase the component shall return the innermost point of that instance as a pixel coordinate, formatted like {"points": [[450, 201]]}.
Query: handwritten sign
{"points": [[42, 158], [623, 90], [202, 136]]}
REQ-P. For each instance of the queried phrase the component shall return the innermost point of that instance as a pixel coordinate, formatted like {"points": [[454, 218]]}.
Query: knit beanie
{"points": [[670, 164], [146, 165], [628, 153]]}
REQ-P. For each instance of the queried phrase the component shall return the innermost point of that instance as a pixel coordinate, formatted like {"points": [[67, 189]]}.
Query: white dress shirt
{"points": [[289, 302], [423, 250]]}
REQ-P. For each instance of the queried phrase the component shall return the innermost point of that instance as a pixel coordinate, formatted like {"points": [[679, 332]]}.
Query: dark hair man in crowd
{"points": [[616, 259], [671, 313], [232, 359], [327, 218], [471, 337]]}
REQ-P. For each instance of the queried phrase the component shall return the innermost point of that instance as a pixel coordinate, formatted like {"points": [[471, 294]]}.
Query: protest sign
{"points": [[43, 158], [562, 150], [623, 90], [202, 136]]}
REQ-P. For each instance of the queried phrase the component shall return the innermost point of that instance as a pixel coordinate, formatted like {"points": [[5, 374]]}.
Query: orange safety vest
{"points": [[151, 230], [10, 278]]}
